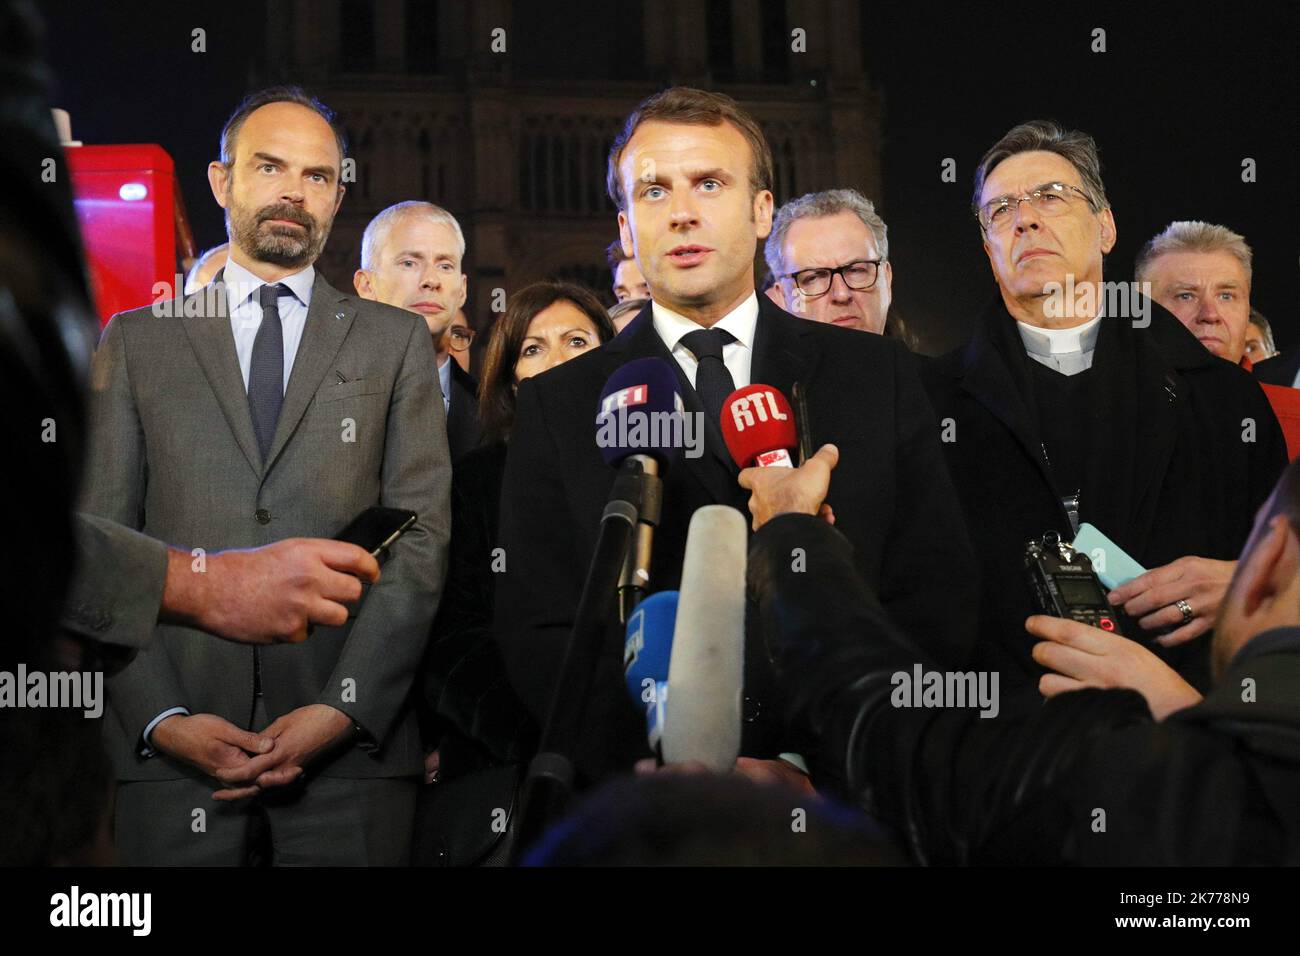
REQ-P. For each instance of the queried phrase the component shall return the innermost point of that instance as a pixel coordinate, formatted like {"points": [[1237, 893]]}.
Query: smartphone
{"points": [[377, 528]]}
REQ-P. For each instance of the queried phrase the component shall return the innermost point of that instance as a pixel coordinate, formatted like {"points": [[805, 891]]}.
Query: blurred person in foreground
{"points": [[1091, 777], [684, 819]]}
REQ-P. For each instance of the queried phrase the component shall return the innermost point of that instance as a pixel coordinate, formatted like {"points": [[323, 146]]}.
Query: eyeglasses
{"points": [[1050, 199], [459, 338], [858, 276]]}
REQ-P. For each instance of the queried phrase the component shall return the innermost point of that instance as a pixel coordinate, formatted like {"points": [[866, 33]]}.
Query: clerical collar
{"points": [[1047, 342], [1068, 351]]}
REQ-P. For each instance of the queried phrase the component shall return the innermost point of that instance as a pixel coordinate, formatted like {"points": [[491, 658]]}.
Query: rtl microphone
{"points": [[647, 651], [758, 426], [639, 428], [706, 674]]}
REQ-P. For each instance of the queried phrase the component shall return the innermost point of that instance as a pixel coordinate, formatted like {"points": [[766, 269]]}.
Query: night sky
{"points": [[1176, 102]]}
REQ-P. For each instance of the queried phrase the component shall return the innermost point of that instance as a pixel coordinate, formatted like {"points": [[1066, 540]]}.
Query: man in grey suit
{"points": [[272, 406]]}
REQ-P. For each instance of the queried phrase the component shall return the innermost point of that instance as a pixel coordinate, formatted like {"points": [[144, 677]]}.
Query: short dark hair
{"points": [[614, 254], [1077, 147], [684, 104], [276, 94], [496, 395], [1257, 318]]}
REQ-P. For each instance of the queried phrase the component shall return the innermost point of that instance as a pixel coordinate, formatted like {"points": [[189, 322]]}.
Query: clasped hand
{"points": [[246, 762]]}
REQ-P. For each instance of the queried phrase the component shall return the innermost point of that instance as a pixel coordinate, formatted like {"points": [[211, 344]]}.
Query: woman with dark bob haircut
{"points": [[546, 324], [486, 733]]}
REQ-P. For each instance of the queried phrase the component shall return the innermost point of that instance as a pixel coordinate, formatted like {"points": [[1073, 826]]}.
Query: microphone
{"points": [[707, 672], [758, 426], [647, 651], [640, 422], [639, 429]]}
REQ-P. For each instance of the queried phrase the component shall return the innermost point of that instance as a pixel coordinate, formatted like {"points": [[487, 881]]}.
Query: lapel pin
{"points": [[338, 315]]}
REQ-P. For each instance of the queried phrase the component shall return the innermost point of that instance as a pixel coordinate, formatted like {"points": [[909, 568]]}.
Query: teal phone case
{"points": [[1111, 563]]}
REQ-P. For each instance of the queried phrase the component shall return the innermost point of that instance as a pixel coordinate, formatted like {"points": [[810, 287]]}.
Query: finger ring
{"points": [[1186, 609]]}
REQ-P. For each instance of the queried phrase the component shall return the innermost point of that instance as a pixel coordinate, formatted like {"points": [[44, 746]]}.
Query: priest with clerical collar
{"points": [[1062, 410]]}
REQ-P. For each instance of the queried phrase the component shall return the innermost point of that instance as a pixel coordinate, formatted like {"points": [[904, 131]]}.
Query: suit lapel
{"points": [[784, 352], [988, 379], [1136, 400], [214, 346], [329, 318]]}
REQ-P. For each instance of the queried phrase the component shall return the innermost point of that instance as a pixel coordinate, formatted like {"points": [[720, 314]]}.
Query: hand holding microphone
{"points": [[802, 490]]}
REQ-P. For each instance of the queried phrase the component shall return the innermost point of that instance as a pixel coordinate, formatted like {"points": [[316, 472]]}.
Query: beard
{"points": [[277, 244]]}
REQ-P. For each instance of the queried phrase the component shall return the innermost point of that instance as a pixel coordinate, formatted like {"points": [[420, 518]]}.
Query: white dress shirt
{"points": [[738, 356], [1068, 351], [246, 313]]}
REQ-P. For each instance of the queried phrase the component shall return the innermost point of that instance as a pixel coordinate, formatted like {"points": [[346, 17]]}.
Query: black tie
{"points": [[266, 371], [713, 383]]}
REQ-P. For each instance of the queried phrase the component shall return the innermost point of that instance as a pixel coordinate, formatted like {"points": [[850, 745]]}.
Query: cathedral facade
{"points": [[503, 112]]}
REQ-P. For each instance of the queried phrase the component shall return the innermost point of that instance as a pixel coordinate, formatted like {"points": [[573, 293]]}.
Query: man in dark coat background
{"points": [[691, 175], [1052, 415], [1089, 778]]}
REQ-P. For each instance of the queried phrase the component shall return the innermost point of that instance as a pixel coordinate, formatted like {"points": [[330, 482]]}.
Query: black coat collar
{"points": [[1136, 384], [1279, 370]]}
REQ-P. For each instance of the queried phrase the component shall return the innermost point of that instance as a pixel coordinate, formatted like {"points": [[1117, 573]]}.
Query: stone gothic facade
{"points": [[503, 112]]}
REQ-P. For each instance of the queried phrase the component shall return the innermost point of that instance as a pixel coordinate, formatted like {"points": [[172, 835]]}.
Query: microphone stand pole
{"points": [[548, 786]]}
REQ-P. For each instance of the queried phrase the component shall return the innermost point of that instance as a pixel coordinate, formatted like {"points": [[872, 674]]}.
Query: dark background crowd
{"points": [[1178, 100], [449, 667]]}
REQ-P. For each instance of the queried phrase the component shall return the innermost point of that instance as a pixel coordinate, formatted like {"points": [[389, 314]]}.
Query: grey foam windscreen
{"points": [[706, 674]]}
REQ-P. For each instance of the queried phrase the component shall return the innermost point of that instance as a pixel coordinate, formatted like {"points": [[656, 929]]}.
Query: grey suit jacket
{"points": [[173, 453], [117, 589]]}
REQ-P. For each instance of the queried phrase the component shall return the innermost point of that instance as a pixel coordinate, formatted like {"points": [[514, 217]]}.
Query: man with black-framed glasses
{"points": [[458, 339], [829, 252], [1080, 400]]}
